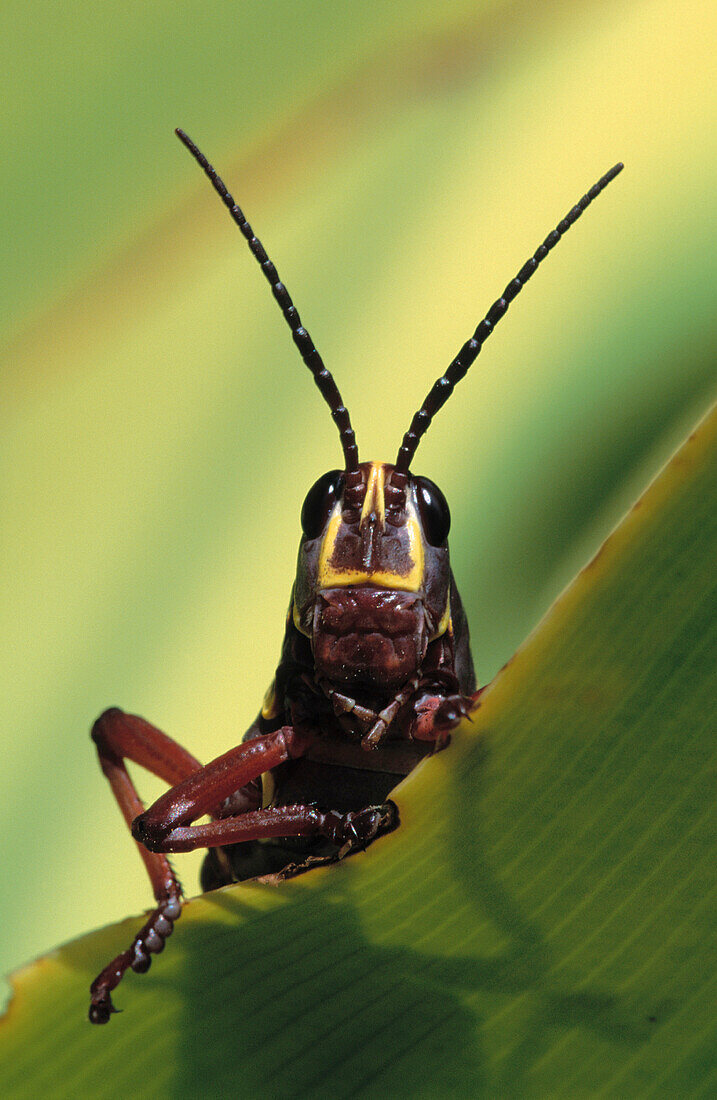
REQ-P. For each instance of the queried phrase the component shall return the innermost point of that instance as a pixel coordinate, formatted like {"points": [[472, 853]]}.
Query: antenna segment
{"points": [[323, 377], [443, 387]]}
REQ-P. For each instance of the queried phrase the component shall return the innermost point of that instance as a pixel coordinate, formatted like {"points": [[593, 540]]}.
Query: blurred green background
{"points": [[400, 162]]}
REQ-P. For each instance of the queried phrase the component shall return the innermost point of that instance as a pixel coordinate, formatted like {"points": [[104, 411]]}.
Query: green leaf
{"points": [[539, 923]]}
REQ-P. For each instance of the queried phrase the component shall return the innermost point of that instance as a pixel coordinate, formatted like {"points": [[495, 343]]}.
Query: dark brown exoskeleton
{"points": [[375, 668]]}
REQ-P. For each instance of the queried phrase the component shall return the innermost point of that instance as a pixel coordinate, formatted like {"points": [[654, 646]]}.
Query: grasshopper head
{"points": [[373, 577]]}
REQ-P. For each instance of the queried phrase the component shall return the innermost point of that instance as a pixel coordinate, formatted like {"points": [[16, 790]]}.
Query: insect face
{"points": [[373, 576]]}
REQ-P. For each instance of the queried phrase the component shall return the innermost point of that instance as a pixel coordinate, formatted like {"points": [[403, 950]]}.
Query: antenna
{"points": [[323, 378], [443, 387]]}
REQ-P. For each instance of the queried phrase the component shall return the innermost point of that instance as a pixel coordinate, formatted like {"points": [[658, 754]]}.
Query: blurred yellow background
{"points": [[400, 163]]}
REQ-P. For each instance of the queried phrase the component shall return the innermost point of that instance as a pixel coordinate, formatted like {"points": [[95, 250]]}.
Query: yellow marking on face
{"points": [[329, 542], [269, 708], [445, 624], [328, 576], [374, 503], [297, 621]]}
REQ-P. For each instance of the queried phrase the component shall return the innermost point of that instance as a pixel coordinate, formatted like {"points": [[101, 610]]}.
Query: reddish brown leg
{"points": [[120, 736], [436, 715], [197, 791], [166, 826], [357, 827], [206, 788]]}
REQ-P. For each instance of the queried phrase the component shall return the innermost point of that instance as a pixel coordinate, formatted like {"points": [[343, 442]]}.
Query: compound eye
{"points": [[319, 503], [433, 510]]}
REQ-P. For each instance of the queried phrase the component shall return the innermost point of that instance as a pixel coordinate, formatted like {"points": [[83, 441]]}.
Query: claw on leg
{"points": [[354, 831], [437, 715], [149, 941]]}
